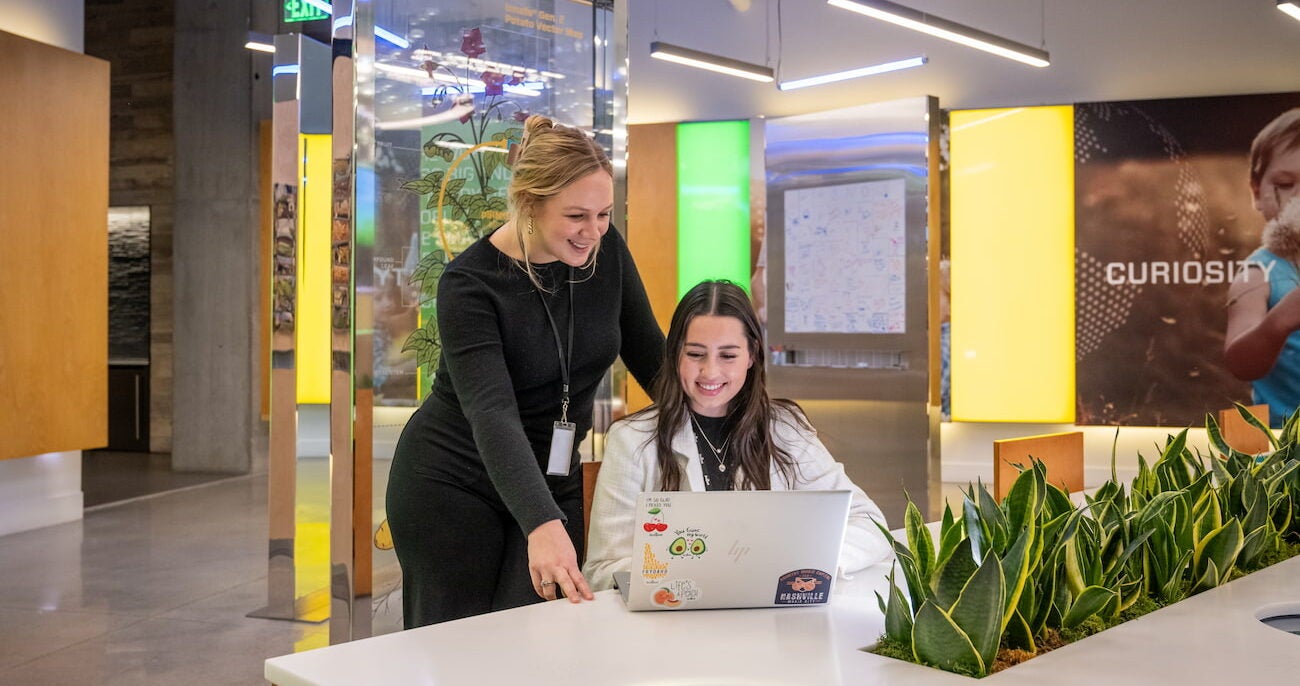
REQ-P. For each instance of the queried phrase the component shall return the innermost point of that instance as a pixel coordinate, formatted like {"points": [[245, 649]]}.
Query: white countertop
{"points": [[1211, 638]]}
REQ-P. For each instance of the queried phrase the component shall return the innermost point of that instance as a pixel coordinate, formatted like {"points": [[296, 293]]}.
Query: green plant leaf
{"points": [[1209, 578], [1036, 601], [1254, 421], [1206, 515], [950, 534], [918, 591], [1018, 634], [978, 610], [1025, 499], [1085, 605], [991, 515], [1220, 546], [1257, 542], [898, 615], [938, 642], [1015, 570], [952, 577], [975, 532], [1057, 501], [918, 539]]}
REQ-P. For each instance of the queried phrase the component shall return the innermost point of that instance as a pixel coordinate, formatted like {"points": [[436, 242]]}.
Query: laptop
{"points": [[734, 549]]}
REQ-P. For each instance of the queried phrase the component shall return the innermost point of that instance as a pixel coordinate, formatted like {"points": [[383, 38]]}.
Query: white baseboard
{"points": [[40, 491]]}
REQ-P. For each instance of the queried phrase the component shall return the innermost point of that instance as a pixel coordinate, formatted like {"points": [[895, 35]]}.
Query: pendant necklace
{"points": [[718, 454]]}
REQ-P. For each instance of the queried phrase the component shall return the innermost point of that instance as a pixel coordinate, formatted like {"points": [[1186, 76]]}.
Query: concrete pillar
{"points": [[216, 417]]}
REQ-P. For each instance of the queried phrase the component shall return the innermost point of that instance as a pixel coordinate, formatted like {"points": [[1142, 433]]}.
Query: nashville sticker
{"points": [[803, 587]]}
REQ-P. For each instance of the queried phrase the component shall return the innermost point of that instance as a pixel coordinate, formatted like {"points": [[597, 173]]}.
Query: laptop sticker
{"points": [[689, 543], [803, 587], [676, 592], [651, 568], [654, 525]]}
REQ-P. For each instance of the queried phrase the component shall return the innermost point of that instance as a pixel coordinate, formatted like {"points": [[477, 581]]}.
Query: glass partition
{"points": [[439, 100]]}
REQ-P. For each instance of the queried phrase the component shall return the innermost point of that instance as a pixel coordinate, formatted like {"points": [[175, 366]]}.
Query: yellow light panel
{"points": [[313, 330], [1012, 227]]}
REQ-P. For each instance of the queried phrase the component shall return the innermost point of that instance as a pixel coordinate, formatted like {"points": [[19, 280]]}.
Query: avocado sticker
{"points": [[690, 542]]}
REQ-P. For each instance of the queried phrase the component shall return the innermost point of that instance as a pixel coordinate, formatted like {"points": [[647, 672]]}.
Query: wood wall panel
{"points": [[1060, 453], [53, 249], [652, 222]]}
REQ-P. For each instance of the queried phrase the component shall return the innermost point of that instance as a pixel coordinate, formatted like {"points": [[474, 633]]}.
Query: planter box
{"points": [[1211, 638]]}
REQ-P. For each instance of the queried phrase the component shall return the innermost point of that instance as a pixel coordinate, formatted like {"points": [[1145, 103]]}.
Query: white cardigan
{"points": [[631, 467]]}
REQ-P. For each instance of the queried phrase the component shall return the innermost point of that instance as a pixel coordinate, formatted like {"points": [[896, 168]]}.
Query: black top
{"points": [[487, 423], [716, 434]]}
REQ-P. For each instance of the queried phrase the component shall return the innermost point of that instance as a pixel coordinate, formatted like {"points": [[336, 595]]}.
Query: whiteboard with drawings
{"points": [[844, 258]]}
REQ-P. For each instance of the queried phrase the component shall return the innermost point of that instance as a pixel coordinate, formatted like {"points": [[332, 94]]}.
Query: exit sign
{"points": [[298, 10]]}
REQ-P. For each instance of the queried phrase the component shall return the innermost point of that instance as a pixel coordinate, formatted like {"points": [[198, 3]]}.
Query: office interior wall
{"points": [[53, 269], [56, 22], [40, 490], [137, 38]]}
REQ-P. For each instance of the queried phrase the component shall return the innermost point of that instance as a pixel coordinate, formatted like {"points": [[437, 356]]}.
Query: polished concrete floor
{"points": [[151, 591], [111, 476]]}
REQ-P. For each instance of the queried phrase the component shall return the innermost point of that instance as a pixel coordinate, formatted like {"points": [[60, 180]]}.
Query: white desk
{"points": [[1212, 638]]}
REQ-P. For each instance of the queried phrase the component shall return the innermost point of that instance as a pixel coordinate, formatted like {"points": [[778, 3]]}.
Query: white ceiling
{"points": [[1100, 50]]}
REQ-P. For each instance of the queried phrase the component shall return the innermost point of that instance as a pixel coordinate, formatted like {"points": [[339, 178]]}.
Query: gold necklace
{"points": [[719, 455]]}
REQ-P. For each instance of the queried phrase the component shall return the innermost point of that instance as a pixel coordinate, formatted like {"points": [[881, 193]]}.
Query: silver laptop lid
{"points": [[721, 549]]}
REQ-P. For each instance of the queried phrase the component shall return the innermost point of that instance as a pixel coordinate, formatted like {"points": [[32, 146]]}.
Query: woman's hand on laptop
{"points": [[553, 562]]}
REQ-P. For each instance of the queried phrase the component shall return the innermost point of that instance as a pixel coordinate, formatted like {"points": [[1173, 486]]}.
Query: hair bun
{"points": [[532, 125]]}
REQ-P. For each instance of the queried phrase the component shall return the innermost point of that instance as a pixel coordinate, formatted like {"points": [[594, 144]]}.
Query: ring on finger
{"points": [[547, 583]]}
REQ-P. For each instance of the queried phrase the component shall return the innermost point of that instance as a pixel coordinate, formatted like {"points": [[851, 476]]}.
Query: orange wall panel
{"points": [[53, 249]]}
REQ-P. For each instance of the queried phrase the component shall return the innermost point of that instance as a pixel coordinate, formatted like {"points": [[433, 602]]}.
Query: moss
{"points": [[890, 648]]}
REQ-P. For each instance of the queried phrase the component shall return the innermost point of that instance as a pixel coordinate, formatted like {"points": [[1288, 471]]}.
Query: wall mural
{"points": [[1165, 219]]}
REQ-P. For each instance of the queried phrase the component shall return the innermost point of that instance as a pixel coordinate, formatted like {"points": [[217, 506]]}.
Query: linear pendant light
{"points": [[1290, 7], [711, 62], [947, 30], [852, 73]]}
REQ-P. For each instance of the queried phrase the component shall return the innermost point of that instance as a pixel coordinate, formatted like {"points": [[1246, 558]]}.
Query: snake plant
{"points": [[1004, 574]]}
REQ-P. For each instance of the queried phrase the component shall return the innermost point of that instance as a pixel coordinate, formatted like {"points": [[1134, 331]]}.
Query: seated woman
{"points": [[716, 429]]}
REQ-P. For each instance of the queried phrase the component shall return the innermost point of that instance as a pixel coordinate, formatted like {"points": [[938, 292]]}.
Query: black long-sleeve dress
{"points": [[468, 480]]}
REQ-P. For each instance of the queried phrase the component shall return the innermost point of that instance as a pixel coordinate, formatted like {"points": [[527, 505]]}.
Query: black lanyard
{"points": [[566, 358]]}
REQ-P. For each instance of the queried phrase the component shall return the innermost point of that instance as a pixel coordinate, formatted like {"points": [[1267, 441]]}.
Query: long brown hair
{"points": [[751, 411]]}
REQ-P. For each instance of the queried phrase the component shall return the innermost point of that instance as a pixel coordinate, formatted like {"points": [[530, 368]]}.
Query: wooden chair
{"points": [[1061, 454], [589, 472], [1242, 436]]}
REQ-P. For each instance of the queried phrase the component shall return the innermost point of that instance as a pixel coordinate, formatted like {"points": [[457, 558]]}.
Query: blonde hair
{"points": [[549, 159], [1278, 136]]}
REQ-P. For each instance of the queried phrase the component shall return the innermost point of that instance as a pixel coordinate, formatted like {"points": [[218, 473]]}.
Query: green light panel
{"points": [[712, 203]]}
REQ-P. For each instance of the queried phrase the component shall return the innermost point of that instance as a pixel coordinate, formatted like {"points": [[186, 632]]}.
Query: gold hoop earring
{"points": [[530, 225]]}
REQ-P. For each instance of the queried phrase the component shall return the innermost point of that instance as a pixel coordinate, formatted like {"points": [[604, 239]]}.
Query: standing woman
{"points": [[531, 317]]}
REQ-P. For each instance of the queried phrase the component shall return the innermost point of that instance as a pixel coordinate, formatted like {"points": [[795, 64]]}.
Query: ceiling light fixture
{"points": [[947, 30], [853, 73], [711, 62], [1290, 7]]}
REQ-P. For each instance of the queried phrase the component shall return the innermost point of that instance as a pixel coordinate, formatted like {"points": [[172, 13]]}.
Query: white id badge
{"points": [[561, 449]]}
